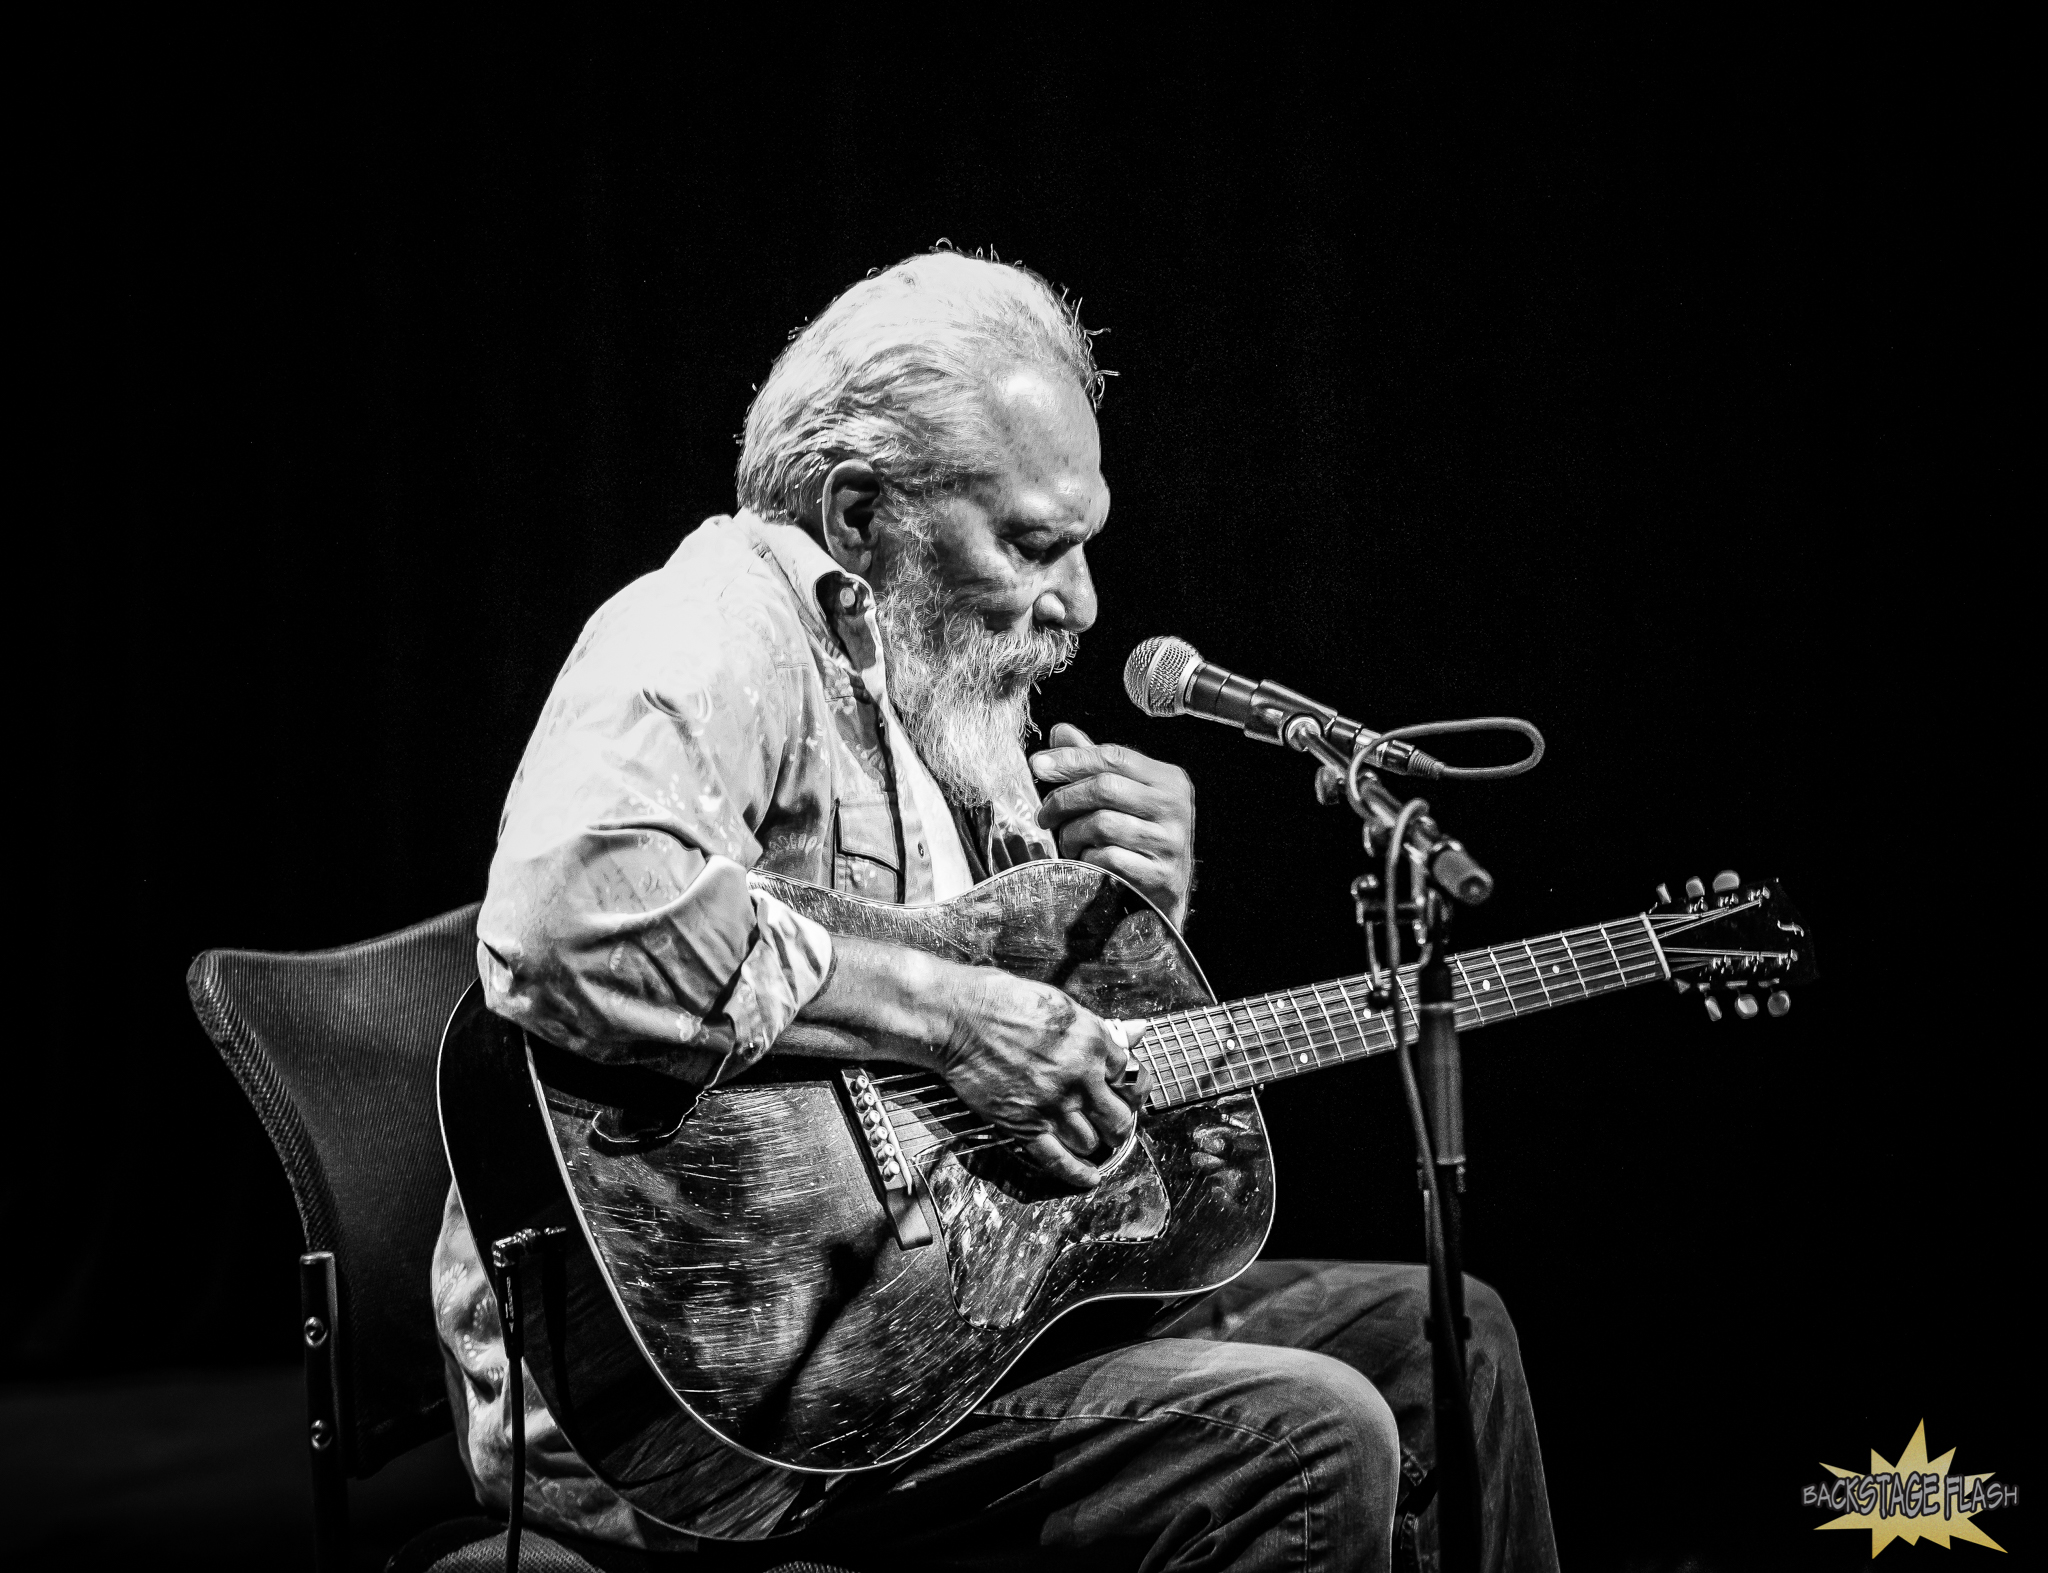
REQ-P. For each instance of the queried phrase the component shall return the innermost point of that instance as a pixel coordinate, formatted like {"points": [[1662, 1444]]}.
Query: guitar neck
{"points": [[1197, 1054]]}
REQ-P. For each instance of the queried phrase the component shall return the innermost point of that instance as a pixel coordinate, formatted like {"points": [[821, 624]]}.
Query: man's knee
{"points": [[1337, 1422], [1493, 1331]]}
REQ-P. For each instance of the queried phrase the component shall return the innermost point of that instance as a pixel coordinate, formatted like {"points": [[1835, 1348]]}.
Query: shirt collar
{"points": [[822, 587], [837, 606]]}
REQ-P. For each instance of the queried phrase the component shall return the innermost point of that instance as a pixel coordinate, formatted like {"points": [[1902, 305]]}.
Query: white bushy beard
{"points": [[962, 692]]}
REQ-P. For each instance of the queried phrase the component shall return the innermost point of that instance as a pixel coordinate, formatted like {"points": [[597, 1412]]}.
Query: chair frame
{"points": [[321, 1332], [331, 1442]]}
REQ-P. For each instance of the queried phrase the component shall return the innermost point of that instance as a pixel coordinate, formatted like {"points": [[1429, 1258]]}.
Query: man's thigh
{"points": [[1168, 1451], [1370, 1315]]}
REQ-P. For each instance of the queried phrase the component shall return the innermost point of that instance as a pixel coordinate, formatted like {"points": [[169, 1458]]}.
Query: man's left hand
{"points": [[1113, 807]]}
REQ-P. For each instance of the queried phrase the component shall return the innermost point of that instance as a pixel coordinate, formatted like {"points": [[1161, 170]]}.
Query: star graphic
{"points": [[1942, 1523]]}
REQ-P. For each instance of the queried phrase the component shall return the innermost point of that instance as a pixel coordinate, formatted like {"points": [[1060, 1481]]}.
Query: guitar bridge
{"points": [[892, 1172]]}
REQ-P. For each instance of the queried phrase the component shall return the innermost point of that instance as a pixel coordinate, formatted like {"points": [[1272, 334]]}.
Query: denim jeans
{"points": [[1282, 1422]]}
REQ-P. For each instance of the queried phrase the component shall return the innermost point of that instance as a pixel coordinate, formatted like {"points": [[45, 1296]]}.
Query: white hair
{"points": [[893, 372]]}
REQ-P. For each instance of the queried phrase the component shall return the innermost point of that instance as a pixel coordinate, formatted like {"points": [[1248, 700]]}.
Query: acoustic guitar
{"points": [[826, 1265]]}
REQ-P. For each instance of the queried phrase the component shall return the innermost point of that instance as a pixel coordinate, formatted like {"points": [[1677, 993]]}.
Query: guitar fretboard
{"points": [[1199, 1053]]}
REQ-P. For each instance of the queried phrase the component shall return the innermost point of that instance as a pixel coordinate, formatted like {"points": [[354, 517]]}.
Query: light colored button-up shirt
{"points": [[726, 714]]}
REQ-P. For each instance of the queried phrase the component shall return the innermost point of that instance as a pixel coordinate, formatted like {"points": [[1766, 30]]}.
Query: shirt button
{"points": [[848, 597], [920, 849]]}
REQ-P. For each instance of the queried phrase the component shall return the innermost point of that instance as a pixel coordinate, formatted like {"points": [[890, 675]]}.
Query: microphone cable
{"points": [[1365, 752]]}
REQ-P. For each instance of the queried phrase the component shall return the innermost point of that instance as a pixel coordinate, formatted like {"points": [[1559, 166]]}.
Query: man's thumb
{"points": [[1067, 735]]}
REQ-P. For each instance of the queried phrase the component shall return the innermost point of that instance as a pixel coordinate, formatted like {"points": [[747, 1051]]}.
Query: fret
{"points": [[1267, 1053], [1620, 971], [1235, 1050], [1251, 1040], [1280, 1030], [1500, 959], [1308, 1033], [1198, 1053], [1187, 1064], [1189, 1032], [1205, 1058], [1364, 1039], [1152, 1051], [1469, 1005], [1328, 1021], [1584, 988], [1229, 1050], [1272, 1047], [1621, 962], [1159, 1048], [1214, 1060], [1506, 991], [1537, 967]]}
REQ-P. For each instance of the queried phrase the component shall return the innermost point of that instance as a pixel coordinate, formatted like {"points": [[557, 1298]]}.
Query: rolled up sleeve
{"points": [[620, 920]]}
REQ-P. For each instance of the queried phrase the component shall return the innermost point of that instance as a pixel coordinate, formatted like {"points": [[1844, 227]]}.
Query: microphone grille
{"points": [[1157, 674]]}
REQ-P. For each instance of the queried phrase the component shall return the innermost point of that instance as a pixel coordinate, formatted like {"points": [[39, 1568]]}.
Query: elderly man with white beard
{"points": [[834, 685]]}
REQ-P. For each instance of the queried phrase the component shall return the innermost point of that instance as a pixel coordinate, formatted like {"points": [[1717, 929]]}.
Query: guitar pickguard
{"points": [[1000, 1245]]}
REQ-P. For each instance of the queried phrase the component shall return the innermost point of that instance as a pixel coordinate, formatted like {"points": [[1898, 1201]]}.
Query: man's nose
{"points": [[1069, 601]]}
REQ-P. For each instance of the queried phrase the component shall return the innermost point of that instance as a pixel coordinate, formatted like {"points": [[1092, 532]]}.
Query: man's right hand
{"points": [[1020, 1054], [1035, 1064]]}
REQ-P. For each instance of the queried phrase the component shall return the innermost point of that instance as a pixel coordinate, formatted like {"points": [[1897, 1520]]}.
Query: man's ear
{"points": [[847, 514]]}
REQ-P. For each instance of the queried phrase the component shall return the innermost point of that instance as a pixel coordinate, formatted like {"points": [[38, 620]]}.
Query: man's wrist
{"points": [[894, 995]]}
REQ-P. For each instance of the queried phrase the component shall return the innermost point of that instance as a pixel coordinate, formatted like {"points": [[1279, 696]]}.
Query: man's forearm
{"points": [[893, 996]]}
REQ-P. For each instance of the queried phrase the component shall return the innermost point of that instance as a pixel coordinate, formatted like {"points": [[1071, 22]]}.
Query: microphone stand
{"points": [[1441, 874]]}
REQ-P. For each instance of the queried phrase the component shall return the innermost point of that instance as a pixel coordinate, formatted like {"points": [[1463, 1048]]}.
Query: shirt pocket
{"points": [[867, 849]]}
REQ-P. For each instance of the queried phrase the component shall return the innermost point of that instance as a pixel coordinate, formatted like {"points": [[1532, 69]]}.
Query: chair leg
{"points": [[320, 1310]]}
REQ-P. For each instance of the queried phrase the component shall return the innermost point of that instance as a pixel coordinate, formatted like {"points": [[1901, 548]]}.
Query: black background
{"points": [[1637, 382]]}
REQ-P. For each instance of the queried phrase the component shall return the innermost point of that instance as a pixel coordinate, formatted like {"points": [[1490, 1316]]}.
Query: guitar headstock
{"points": [[1732, 941]]}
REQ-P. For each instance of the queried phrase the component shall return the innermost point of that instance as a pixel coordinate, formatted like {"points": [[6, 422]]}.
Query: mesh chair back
{"points": [[336, 1049]]}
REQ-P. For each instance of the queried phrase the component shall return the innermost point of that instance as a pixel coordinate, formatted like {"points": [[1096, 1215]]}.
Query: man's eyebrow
{"points": [[1069, 529]]}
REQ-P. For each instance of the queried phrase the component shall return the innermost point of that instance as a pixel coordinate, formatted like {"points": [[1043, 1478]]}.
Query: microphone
{"points": [[1168, 677]]}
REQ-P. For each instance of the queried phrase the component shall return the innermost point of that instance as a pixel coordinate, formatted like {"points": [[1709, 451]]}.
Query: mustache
{"points": [[1008, 662]]}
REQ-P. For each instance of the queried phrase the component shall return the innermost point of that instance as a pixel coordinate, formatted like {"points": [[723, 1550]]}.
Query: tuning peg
{"points": [[1664, 894], [1694, 889], [1778, 1003], [1726, 881], [1745, 1006], [1713, 1008]]}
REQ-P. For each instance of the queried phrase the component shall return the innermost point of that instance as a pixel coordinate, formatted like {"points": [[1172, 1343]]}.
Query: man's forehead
{"points": [[1046, 430]]}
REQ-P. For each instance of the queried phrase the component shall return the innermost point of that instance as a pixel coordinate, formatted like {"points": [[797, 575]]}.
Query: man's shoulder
{"points": [[716, 585], [720, 563]]}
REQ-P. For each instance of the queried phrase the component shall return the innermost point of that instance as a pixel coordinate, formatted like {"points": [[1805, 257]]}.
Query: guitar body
{"points": [[732, 1281]]}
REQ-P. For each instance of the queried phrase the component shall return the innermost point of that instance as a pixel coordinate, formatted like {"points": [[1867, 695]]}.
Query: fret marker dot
{"points": [[1303, 1058], [1486, 983]]}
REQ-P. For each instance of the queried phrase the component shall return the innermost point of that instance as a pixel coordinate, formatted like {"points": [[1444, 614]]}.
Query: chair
{"points": [[336, 1050]]}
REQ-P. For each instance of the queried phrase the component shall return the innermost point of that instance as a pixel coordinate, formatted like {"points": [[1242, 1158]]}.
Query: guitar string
{"points": [[1296, 1048], [1516, 980], [1215, 1064], [1205, 1069], [974, 1139]]}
